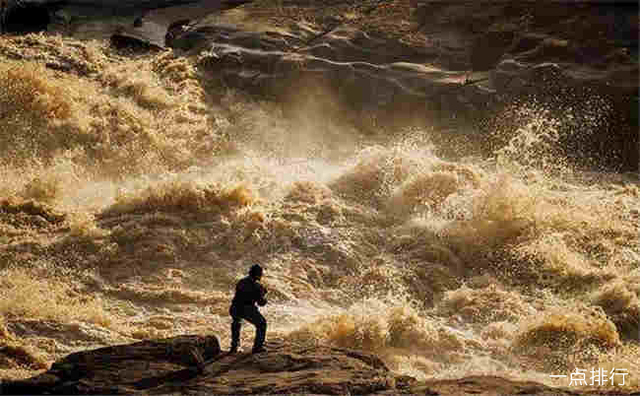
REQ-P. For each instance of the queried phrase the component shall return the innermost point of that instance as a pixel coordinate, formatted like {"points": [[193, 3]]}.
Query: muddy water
{"points": [[134, 196]]}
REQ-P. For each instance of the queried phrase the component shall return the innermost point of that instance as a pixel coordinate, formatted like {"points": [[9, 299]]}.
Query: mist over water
{"points": [[131, 206]]}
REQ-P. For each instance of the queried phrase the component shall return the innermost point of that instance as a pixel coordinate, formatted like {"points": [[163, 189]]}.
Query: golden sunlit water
{"points": [[133, 196]]}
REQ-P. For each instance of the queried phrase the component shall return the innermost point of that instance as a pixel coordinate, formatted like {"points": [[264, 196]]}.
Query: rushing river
{"points": [[135, 196]]}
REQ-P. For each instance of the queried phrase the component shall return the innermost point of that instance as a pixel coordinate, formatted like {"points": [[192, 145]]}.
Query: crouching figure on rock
{"points": [[249, 292]]}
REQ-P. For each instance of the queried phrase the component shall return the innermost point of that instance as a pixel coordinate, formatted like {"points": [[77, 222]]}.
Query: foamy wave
{"points": [[485, 305], [560, 340], [389, 330]]}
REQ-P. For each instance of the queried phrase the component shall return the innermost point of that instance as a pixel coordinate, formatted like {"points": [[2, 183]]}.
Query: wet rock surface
{"points": [[139, 21], [455, 64], [196, 365]]}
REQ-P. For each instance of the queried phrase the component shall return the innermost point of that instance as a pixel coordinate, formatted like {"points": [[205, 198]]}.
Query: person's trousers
{"points": [[251, 314]]}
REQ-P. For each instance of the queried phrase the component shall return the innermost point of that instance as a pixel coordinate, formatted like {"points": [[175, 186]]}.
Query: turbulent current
{"points": [[134, 194]]}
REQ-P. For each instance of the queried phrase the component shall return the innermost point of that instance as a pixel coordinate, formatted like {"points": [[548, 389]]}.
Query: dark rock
{"points": [[167, 367], [362, 72], [121, 368], [514, 51], [21, 17], [145, 21], [170, 365], [489, 49]]}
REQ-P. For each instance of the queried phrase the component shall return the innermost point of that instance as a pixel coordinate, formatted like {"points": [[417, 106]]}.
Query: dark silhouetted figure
{"points": [[249, 292]]}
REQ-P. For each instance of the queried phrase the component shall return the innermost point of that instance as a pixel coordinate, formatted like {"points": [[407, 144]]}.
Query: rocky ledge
{"points": [[196, 365]]}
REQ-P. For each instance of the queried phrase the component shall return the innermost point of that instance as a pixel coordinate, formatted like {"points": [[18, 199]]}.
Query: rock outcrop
{"points": [[172, 365], [460, 63], [196, 365], [141, 21]]}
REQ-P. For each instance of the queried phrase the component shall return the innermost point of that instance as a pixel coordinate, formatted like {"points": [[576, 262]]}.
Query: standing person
{"points": [[249, 292]]}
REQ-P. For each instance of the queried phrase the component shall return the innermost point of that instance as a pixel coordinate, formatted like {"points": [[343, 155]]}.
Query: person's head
{"points": [[255, 271]]}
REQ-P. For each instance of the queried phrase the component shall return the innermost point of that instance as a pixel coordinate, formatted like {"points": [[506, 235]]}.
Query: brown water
{"points": [[134, 196]]}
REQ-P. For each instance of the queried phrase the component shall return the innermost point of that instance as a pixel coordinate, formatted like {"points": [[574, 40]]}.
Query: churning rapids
{"points": [[134, 193]]}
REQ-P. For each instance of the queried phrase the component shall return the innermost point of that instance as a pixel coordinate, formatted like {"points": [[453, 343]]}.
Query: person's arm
{"points": [[262, 301]]}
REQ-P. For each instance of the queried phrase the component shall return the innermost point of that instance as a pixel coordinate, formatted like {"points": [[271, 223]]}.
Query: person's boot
{"points": [[234, 349]]}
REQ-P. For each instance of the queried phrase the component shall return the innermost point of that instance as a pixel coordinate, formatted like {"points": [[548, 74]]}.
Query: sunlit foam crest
{"points": [[265, 171]]}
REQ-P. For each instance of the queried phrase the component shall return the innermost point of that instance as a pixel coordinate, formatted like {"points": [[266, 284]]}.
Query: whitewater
{"points": [[134, 194]]}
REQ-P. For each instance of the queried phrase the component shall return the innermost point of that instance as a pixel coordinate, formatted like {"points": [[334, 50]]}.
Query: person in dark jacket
{"points": [[249, 292]]}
